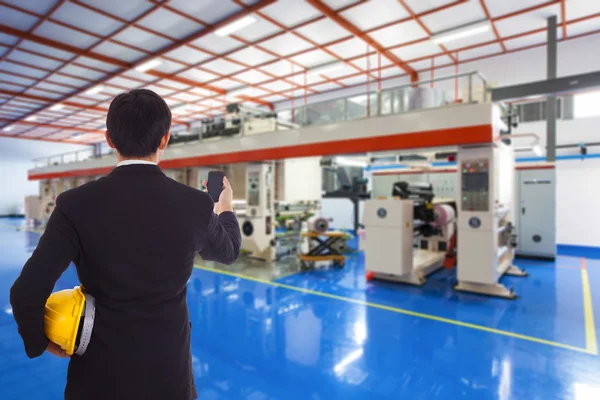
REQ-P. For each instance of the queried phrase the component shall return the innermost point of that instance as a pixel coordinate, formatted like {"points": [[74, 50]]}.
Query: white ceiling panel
{"points": [[359, 80], [251, 56], [373, 62], [226, 84], [480, 51], [123, 82], [96, 64], [8, 39], [169, 67], [279, 68], [375, 13], [34, 60], [170, 24], [10, 67], [188, 55], [337, 4], [504, 7], [173, 84], [252, 76], [83, 18], [128, 10], [66, 35], [278, 86], [16, 19], [453, 17], [217, 44], [286, 44], [579, 28], [26, 44], [525, 41], [580, 8], [418, 50], [323, 31], [119, 52], [471, 40], [420, 6], [44, 94], [400, 33], [342, 71], [16, 79], [197, 75], [258, 30], [310, 79], [207, 11], [349, 48], [527, 22], [326, 86], [142, 39], [9, 86], [222, 67], [187, 97], [274, 98], [133, 74], [57, 88], [36, 6], [291, 12], [82, 72], [160, 90], [312, 58], [201, 92], [67, 80]]}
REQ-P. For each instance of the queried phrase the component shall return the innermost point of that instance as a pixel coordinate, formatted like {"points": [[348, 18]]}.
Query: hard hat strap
{"points": [[88, 324]]}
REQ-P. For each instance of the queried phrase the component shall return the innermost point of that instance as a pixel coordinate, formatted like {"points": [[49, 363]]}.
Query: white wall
{"points": [[577, 194], [16, 157]]}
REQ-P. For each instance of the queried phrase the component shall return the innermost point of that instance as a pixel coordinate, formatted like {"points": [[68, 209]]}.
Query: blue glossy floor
{"points": [[328, 334]]}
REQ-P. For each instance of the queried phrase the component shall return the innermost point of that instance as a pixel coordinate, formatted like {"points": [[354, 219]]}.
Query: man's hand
{"points": [[225, 202], [56, 350]]}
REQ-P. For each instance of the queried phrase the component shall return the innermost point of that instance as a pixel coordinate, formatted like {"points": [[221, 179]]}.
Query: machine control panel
{"points": [[475, 185], [253, 188]]}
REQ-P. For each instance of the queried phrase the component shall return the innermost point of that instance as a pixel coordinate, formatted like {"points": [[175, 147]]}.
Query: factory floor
{"points": [[327, 334]]}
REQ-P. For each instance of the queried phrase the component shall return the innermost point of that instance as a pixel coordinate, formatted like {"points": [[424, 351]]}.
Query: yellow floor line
{"points": [[588, 311], [405, 312]]}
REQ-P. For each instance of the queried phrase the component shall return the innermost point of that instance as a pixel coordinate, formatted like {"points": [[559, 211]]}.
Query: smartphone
{"points": [[215, 184]]}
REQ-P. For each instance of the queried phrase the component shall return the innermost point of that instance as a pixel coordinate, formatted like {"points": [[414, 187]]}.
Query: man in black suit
{"points": [[132, 236]]}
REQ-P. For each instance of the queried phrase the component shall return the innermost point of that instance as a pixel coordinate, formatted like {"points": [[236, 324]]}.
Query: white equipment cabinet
{"points": [[258, 233], [536, 212], [485, 219], [388, 243]]}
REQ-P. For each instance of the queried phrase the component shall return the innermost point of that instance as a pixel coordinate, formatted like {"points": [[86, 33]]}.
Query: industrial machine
{"points": [[258, 231], [407, 236], [486, 245]]}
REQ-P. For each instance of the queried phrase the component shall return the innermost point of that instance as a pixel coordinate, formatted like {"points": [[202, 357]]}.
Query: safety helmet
{"points": [[69, 319]]}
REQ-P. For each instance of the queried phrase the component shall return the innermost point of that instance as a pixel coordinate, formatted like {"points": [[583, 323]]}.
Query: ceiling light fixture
{"points": [[31, 118], [148, 65], [57, 107], [323, 69], [8, 129], [235, 26], [461, 32], [94, 90]]}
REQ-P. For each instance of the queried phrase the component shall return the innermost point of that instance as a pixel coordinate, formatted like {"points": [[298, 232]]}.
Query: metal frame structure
{"points": [[62, 73]]}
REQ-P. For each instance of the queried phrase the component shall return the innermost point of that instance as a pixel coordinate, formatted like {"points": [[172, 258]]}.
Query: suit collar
{"points": [[138, 169]]}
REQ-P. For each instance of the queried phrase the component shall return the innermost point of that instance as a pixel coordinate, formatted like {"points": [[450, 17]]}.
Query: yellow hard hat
{"points": [[69, 319]]}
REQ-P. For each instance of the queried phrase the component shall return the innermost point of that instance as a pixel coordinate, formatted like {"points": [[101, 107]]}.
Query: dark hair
{"points": [[137, 121]]}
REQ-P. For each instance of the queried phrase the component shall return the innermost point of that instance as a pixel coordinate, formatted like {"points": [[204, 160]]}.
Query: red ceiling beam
{"points": [[489, 17], [563, 16], [344, 23]]}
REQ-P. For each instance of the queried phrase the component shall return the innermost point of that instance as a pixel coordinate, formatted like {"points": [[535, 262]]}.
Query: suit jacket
{"points": [[132, 236]]}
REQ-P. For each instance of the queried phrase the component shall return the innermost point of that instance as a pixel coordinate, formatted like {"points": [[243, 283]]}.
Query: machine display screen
{"points": [[477, 181]]}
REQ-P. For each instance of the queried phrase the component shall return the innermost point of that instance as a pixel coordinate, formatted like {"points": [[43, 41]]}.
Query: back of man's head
{"points": [[137, 121]]}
